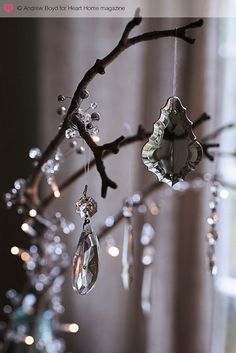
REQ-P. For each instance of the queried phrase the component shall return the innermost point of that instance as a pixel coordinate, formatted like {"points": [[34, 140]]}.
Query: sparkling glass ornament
{"points": [[70, 133], [172, 150], [212, 220], [86, 205], [146, 289], [127, 255], [85, 262]]}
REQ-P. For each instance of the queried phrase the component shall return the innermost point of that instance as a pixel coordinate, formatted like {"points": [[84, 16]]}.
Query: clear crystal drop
{"points": [[148, 255], [127, 256], [146, 291], [85, 262]]}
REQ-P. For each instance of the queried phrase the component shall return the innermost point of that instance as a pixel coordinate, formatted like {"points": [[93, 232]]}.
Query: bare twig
{"points": [[202, 118], [139, 136], [206, 146], [217, 132], [99, 68]]}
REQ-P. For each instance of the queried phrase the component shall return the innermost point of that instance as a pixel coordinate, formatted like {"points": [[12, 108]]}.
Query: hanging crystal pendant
{"points": [[146, 291], [172, 150], [146, 300], [86, 261], [127, 255]]}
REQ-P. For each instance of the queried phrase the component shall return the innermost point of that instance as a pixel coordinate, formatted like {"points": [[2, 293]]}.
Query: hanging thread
{"points": [[175, 66]]}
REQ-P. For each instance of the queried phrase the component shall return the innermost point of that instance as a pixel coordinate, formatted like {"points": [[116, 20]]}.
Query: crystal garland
{"points": [[217, 193], [47, 259]]}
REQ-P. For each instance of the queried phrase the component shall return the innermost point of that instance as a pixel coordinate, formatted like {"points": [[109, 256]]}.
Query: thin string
{"points": [[175, 66], [128, 130], [86, 164]]}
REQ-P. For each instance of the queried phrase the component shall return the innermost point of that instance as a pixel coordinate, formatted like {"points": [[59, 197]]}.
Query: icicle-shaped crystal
{"points": [[85, 262], [146, 291], [127, 255]]}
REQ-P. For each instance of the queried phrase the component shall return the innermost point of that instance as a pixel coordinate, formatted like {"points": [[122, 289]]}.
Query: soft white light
{"points": [[33, 213], [226, 285], [95, 138], [224, 194], [73, 328], [29, 340], [113, 251], [57, 193], [25, 227], [25, 256], [15, 250], [147, 260], [55, 189]]}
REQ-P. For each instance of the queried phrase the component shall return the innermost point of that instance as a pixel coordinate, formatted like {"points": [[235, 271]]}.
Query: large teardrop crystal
{"points": [[85, 262]]}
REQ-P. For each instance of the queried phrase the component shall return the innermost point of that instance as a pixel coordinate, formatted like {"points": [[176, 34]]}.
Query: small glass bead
{"points": [[34, 153], [61, 111], [95, 116], [80, 150], [84, 94], [93, 105], [61, 98], [70, 133]]}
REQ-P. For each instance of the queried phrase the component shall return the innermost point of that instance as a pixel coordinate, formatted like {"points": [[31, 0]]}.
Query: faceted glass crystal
{"points": [[146, 291], [86, 205], [127, 256], [85, 262], [172, 150]]}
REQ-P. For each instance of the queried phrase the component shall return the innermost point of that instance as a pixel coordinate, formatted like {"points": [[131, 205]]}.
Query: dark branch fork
{"points": [[99, 68]]}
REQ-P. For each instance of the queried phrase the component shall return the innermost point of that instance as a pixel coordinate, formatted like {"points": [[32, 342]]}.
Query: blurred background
{"points": [[41, 58]]}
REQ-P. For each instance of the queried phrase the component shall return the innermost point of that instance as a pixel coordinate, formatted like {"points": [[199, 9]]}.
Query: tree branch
{"points": [[141, 135], [99, 68], [217, 132]]}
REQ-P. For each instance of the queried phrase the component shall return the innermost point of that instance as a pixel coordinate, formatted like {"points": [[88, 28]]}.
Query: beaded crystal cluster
{"points": [[88, 116], [212, 220]]}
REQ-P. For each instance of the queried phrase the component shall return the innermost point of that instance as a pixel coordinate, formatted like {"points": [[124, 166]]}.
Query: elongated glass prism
{"points": [[146, 291], [127, 256], [85, 262]]}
